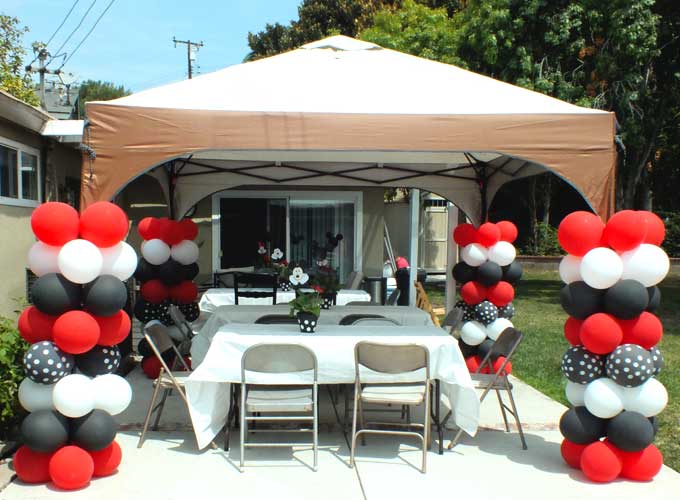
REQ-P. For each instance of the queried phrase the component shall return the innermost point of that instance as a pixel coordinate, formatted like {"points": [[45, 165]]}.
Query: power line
{"points": [[58, 51], [62, 23], [88, 33]]}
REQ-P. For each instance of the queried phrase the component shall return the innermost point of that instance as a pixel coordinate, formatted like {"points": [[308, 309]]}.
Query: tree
{"points": [[96, 90], [13, 78]]}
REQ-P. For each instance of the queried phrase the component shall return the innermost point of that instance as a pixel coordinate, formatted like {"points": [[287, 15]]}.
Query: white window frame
{"points": [[357, 197], [22, 148]]}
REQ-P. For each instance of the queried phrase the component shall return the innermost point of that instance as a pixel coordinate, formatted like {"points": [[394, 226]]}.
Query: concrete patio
{"points": [[491, 465]]}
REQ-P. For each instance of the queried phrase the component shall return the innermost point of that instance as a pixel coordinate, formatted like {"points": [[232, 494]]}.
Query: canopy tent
{"points": [[341, 112]]}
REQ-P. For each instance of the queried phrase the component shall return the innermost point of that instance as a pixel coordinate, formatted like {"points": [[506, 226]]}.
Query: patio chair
{"points": [[423, 302], [180, 321], [505, 345], [276, 319], [351, 318], [452, 320], [156, 335], [296, 402], [391, 359], [243, 280], [376, 322]]}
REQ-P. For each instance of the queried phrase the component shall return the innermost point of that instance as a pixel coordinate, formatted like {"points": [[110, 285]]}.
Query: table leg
{"points": [[435, 409]]}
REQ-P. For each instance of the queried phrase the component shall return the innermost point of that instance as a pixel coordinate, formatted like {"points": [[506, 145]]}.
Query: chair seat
{"points": [[408, 394], [271, 399], [179, 376], [483, 380]]}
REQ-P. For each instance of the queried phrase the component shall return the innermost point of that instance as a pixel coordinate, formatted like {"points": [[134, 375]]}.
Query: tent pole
{"points": [[170, 169], [413, 243], [451, 256]]}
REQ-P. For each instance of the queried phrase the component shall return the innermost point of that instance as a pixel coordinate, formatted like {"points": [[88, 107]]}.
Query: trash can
{"points": [[376, 288]]}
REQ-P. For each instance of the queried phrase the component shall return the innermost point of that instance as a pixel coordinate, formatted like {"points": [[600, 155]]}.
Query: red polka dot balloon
{"points": [[103, 224]]}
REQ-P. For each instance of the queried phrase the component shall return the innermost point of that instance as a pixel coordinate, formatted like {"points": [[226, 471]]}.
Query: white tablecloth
{"points": [[208, 386], [215, 297]]}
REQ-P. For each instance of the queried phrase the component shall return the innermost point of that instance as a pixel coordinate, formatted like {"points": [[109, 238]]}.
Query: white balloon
{"points": [[647, 264], [185, 252], [570, 269], [474, 254], [80, 261], [73, 395], [602, 398], [496, 327], [649, 398], [112, 393], [43, 259], [155, 251], [34, 397], [575, 393], [473, 333], [119, 260], [601, 268], [502, 253]]}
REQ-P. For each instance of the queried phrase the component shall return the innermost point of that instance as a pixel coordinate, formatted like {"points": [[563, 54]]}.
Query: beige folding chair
{"points": [[505, 345], [295, 402], [392, 359], [368, 321], [156, 335], [180, 321]]}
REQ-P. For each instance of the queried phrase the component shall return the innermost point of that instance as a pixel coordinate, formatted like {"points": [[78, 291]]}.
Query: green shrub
{"points": [[544, 243], [672, 242], [12, 348]]}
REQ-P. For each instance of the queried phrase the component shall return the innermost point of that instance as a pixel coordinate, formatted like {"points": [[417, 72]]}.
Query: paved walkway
{"points": [[491, 465]]}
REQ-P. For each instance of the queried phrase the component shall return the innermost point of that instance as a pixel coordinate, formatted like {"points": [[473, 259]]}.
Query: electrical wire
{"points": [[58, 51], [88, 33], [57, 30]]}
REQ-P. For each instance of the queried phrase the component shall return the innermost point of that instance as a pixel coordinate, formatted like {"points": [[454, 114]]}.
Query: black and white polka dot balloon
{"points": [[657, 357], [191, 311], [99, 360], [630, 365], [582, 366], [507, 311], [485, 312], [45, 363]]}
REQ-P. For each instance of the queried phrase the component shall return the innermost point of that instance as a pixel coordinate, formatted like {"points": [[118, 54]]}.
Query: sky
{"points": [[132, 43]]}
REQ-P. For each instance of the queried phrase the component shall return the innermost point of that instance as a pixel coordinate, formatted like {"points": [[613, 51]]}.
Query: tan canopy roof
{"points": [[340, 112]]}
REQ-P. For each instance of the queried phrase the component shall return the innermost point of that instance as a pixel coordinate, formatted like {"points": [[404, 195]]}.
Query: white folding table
{"points": [[215, 297]]}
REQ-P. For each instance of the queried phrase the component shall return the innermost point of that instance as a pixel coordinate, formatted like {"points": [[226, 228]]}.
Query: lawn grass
{"points": [[537, 362]]}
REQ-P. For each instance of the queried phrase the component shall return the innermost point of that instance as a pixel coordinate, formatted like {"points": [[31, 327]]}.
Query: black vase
{"points": [[328, 300], [307, 321], [284, 286]]}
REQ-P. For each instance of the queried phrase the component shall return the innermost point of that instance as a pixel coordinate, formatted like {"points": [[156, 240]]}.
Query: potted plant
{"points": [[326, 283], [281, 269], [306, 307]]}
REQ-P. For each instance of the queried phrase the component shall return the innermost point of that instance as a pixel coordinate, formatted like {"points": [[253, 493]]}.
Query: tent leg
{"points": [[451, 256], [414, 227]]}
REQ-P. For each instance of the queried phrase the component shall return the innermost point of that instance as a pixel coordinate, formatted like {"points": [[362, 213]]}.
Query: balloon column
{"points": [[74, 326], [166, 271], [487, 273], [611, 272]]}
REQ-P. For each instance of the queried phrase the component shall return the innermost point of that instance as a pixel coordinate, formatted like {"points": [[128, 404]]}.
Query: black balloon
{"points": [[45, 363], [467, 350], [626, 299], [507, 311], [630, 431], [145, 271], [163, 313], [582, 366], [579, 300], [144, 349], [54, 295], [191, 311], [580, 426], [657, 358], [171, 272], [484, 348], [489, 273], [654, 298], [655, 423], [94, 431], [45, 430], [512, 273], [104, 296], [485, 312], [463, 272], [189, 272], [99, 360]]}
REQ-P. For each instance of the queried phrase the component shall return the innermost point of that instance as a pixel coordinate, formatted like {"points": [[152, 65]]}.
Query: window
{"points": [[19, 174]]}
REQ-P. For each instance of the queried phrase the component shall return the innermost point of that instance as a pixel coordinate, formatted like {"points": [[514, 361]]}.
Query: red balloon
{"points": [[171, 231], [106, 461], [473, 293], [625, 230], [508, 230], [488, 234], [35, 326], [572, 331], [154, 291], [497, 365], [149, 228], [641, 465], [71, 468], [113, 329], [571, 453], [184, 293], [31, 466], [464, 234], [189, 229], [104, 224], [656, 230], [501, 294], [580, 232], [151, 367], [55, 223], [601, 333], [76, 332], [472, 363], [600, 463], [646, 330]]}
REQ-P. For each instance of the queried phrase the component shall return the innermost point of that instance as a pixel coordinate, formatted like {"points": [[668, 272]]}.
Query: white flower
{"points": [[261, 250], [322, 263], [298, 276], [277, 254]]}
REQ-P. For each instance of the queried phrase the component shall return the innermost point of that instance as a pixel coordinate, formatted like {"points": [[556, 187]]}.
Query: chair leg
{"points": [[160, 409], [426, 429], [519, 424], [354, 426], [455, 439], [230, 415], [315, 409], [503, 412], [243, 428], [362, 423], [148, 414]]}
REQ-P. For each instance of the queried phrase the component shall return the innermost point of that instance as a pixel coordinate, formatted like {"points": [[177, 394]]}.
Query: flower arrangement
{"points": [[262, 260], [306, 302], [326, 280]]}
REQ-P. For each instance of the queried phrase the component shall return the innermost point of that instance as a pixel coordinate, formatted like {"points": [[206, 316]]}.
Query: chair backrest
{"points": [[156, 334], [354, 280], [351, 318], [505, 345], [393, 298], [423, 302], [278, 359], [453, 318], [361, 303], [376, 322], [264, 280], [275, 319], [180, 321], [391, 358]]}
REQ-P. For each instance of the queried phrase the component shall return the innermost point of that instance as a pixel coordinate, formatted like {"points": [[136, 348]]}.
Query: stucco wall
{"points": [[17, 238]]}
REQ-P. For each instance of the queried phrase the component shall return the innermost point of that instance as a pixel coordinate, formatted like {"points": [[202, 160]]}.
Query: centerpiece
{"points": [[326, 283], [306, 306]]}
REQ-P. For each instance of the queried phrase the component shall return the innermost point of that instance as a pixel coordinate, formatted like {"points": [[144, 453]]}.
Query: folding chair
{"points": [[276, 319], [351, 318], [423, 302], [392, 359], [157, 336], [376, 322], [452, 320], [180, 321], [296, 402], [505, 345], [263, 280]]}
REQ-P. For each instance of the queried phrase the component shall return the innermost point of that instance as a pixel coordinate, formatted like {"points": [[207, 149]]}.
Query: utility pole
{"points": [[42, 70], [189, 45]]}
